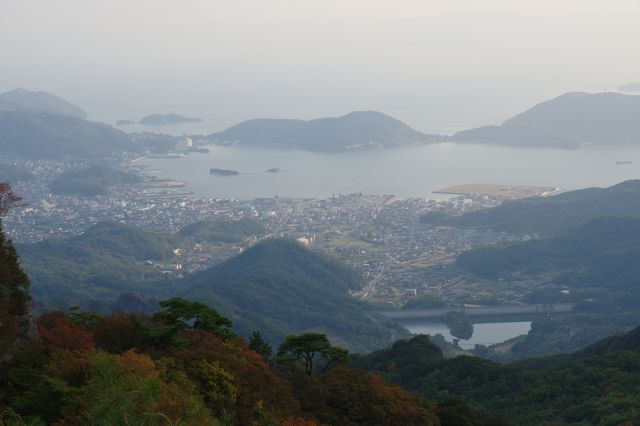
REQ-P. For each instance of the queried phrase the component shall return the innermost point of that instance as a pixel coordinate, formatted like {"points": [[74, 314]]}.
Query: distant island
{"points": [[223, 172], [354, 131], [630, 87], [163, 119], [569, 121], [124, 122], [274, 170]]}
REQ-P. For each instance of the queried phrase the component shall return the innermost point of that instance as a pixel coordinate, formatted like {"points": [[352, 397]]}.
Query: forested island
{"points": [[223, 172]]}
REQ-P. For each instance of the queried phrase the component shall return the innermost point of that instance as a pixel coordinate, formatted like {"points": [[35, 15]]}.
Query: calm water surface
{"points": [[483, 334], [406, 172]]}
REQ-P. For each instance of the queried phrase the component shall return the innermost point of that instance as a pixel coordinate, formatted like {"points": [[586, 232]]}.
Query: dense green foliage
{"points": [[92, 180], [222, 231], [281, 288], [601, 250], [405, 361], [595, 265], [14, 283], [258, 344], [101, 263], [552, 215], [313, 350], [425, 301], [194, 315], [459, 325], [597, 386], [108, 259], [14, 295]]}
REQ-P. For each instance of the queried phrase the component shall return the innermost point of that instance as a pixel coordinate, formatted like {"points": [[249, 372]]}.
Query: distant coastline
{"points": [[502, 191]]}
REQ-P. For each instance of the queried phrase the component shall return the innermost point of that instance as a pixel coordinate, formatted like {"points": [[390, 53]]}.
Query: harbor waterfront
{"points": [[415, 171]]}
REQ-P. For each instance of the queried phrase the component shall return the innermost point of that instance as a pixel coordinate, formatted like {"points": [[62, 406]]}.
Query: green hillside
{"points": [[92, 180], [221, 231], [595, 266], [356, 130], [551, 215], [592, 388], [109, 259], [281, 288], [99, 264]]}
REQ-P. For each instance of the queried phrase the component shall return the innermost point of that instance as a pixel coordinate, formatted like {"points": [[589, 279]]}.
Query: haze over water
{"points": [[405, 172]]}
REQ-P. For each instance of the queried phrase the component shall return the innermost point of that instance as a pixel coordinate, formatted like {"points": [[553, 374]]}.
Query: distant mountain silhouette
{"points": [[25, 100], [568, 121], [162, 119], [356, 130], [39, 135]]}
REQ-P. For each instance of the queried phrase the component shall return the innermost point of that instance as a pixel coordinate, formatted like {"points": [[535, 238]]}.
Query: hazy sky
{"points": [[437, 65]]}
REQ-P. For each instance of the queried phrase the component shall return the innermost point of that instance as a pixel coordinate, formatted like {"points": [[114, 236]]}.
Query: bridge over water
{"points": [[484, 311]]}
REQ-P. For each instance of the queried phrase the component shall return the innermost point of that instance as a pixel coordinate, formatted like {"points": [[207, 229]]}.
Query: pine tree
{"points": [[259, 345]]}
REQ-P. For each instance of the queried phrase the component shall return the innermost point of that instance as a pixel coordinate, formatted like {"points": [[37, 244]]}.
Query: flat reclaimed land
{"points": [[503, 191]]}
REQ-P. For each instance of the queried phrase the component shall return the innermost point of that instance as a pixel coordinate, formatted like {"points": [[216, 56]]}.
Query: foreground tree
{"points": [[197, 316], [310, 349], [14, 283], [259, 345]]}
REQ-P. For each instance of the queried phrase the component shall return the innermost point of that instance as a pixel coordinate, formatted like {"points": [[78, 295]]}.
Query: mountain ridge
{"points": [[43, 102], [570, 120], [553, 214], [41, 135]]}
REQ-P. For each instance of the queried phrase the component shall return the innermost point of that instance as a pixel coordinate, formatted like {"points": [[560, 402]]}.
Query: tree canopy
{"points": [[311, 349], [194, 315]]}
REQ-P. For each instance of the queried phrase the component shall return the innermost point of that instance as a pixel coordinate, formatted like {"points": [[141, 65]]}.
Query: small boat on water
{"points": [[620, 162]]}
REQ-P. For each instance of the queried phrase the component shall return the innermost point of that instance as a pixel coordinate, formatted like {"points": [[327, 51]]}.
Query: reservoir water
{"points": [[483, 333], [406, 172]]}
